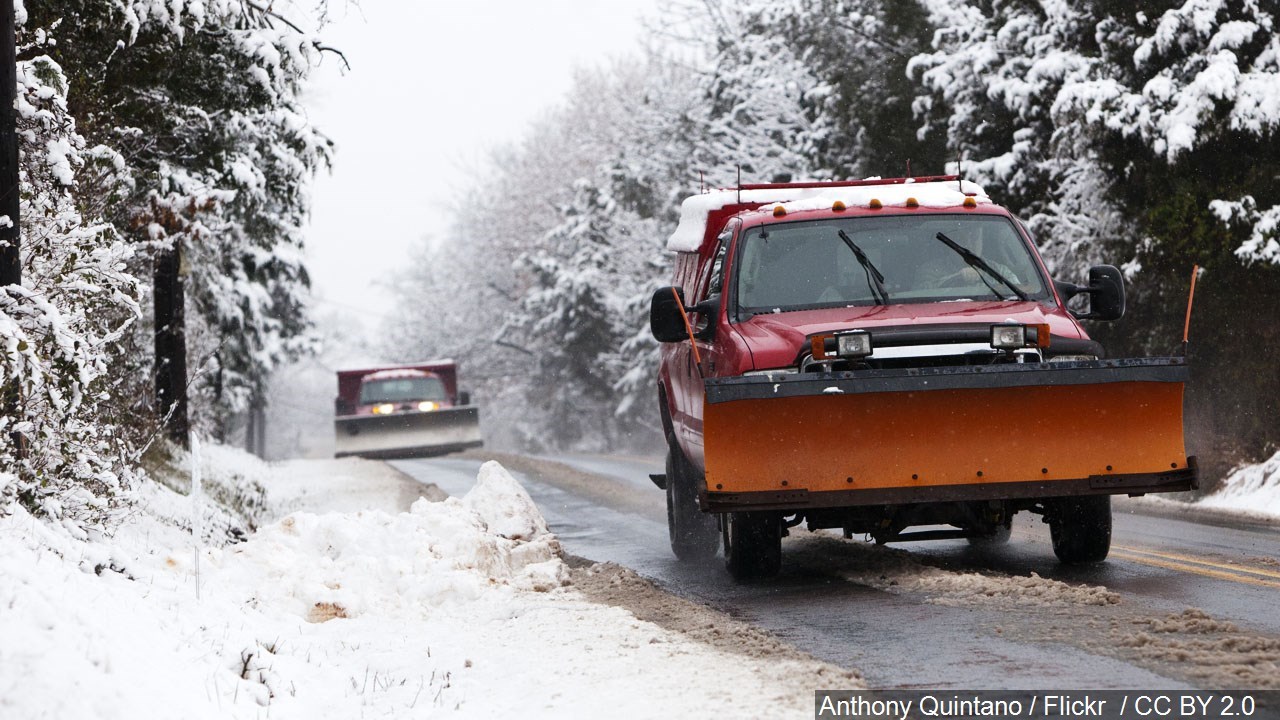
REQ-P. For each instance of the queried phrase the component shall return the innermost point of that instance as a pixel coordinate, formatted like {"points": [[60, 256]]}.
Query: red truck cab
{"points": [[387, 392], [841, 330]]}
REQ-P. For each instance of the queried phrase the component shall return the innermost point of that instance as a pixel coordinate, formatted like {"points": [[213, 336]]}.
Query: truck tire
{"points": [[1080, 528], [695, 536], [752, 545]]}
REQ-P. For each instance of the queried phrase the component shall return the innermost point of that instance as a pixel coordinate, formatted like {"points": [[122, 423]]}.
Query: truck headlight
{"points": [[766, 373], [383, 409], [428, 406]]}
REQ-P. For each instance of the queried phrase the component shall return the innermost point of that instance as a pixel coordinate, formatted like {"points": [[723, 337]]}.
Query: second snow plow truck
{"points": [[878, 355], [403, 411]]}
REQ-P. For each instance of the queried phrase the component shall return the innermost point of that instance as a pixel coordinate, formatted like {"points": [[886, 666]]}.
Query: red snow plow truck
{"points": [[403, 411], [873, 356]]}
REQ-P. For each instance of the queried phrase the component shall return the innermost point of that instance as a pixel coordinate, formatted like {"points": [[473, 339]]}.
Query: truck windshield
{"points": [[394, 390], [806, 265]]}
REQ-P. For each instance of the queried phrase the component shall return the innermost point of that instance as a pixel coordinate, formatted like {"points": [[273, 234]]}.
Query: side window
{"points": [[717, 269], [712, 285], [686, 266]]}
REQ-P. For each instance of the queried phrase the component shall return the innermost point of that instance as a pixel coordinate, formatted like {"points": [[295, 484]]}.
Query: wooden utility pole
{"points": [[10, 256], [10, 259], [171, 342], [255, 432]]}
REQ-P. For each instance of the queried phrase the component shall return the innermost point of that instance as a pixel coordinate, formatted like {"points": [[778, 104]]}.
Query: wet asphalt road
{"points": [[1159, 566]]}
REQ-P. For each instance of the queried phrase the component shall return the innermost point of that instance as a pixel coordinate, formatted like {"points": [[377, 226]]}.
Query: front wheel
{"points": [[752, 545], [694, 534], [1080, 528]]}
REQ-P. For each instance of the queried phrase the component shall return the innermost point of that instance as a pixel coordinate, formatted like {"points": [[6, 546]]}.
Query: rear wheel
{"points": [[694, 534], [1080, 528], [753, 545]]}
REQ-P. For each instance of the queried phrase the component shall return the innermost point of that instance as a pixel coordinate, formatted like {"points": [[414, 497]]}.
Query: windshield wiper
{"points": [[875, 279], [978, 263]]}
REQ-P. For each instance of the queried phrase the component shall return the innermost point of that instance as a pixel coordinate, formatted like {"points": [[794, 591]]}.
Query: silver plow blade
{"points": [[407, 435]]}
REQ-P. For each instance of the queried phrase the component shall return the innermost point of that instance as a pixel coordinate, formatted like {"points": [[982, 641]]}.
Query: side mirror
{"points": [[707, 311], [664, 315], [1105, 290], [464, 397], [342, 407]]}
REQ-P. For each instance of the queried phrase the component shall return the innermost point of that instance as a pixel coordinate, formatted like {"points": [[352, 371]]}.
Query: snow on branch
{"points": [[1263, 244]]}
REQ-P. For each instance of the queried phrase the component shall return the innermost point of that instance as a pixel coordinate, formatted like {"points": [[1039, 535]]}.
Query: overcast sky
{"points": [[433, 87]]}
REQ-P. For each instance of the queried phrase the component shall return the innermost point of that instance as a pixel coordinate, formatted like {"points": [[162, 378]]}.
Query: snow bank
{"points": [[364, 563], [113, 628], [504, 505], [1252, 489], [459, 606], [234, 500], [695, 209]]}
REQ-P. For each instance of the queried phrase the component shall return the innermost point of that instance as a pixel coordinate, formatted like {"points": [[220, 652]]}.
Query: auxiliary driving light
{"points": [[1011, 336], [853, 344], [1008, 337], [384, 409], [428, 406], [846, 344]]}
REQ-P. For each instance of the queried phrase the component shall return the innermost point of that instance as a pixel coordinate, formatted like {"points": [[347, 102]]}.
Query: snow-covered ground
{"points": [[362, 602], [1252, 489]]}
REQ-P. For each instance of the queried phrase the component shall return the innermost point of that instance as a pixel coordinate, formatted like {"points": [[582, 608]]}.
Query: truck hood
{"points": [[775, 340]]}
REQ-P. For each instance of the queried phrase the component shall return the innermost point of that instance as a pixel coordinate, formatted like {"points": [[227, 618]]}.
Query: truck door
{"points": [[680, 359], [710, 284]]}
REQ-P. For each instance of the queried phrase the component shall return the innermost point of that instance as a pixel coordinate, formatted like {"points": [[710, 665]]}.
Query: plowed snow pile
{"points": [[1253, 489], [897, 570], [455, 607]]}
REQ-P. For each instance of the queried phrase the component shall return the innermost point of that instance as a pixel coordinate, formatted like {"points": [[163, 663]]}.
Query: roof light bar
{"points": [[852, 183]]}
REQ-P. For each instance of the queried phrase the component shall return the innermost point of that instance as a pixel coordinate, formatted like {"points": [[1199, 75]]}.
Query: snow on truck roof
{"points": [[372, 367], [396, 374], [696, 209]]}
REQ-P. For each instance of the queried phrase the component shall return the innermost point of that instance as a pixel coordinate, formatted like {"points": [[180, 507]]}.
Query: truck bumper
{"points": [[993, 432]]}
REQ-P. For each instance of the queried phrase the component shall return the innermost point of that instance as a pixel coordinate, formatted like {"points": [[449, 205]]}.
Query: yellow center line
{"points": [[1185, 563], [1198, 561], [1196, 569]]}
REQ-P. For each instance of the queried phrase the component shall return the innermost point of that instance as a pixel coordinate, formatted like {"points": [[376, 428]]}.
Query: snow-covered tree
{"points": [[151, 132], [628, 134], [568, 318], [61, 447], [201, 100]]}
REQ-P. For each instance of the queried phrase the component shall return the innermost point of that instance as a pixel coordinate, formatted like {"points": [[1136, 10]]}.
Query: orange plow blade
{"points": [[989, 432], [407, 435]]}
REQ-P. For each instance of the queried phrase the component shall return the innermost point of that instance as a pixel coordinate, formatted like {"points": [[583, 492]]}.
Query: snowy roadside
{"points": [[462, 606], [1249, 494], [1251, 489]]}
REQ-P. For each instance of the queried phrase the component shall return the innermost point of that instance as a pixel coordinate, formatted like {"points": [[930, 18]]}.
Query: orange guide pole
{"points": [[688, 328], [1186, 328]]}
